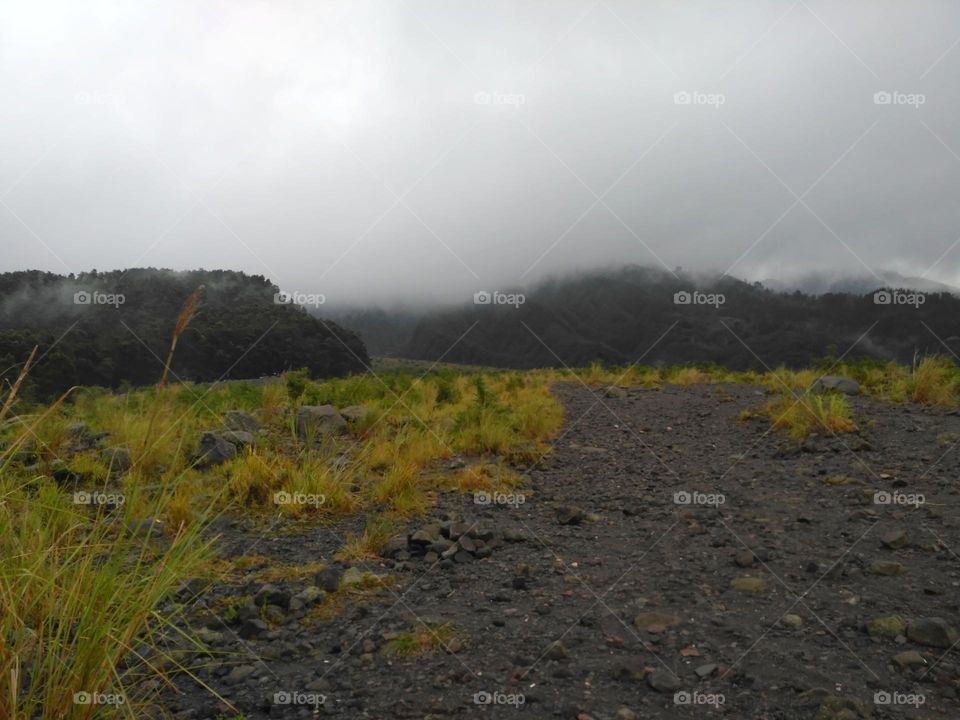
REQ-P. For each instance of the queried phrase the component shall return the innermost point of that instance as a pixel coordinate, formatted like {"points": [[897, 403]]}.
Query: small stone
{"points": [[626, 713], [706, 670], [271, 595], [455, 645], [793, 621], [329, 578], [514, 535], [355, 576], [556, 651], [467, 543], [455, 530], [392, 546], [570, 515], [744, 558], [655, 621], [933, 631], [845, 385], [427, 535], [663, 681], [251, 628], [239, 674], [311, 595], [888, 567], [895, 539], [908, 659], [750, 584]]}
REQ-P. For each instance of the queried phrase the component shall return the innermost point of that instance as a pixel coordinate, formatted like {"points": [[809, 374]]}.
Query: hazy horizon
{"points": [[414, 151]]}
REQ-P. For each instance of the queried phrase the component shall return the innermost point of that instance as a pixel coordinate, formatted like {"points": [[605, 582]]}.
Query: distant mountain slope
{"points": [[115, 327], [617, 315], [820, 284]]}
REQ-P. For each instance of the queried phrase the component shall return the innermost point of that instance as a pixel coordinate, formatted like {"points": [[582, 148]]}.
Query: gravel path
{"points": [[667, 560]]}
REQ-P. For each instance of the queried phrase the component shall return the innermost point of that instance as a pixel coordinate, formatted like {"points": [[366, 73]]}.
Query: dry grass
{"points": [[808, 413], [429, 638]]}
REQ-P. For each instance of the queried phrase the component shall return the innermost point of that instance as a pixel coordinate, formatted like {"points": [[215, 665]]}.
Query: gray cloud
{"points": [[415, 149]]}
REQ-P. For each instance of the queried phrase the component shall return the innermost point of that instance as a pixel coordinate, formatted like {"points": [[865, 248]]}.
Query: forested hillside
{"points": [[616, 316], [111, 328]]}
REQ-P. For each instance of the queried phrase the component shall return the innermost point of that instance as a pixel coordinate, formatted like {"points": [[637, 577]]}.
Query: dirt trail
{"points": [[606, 592]]}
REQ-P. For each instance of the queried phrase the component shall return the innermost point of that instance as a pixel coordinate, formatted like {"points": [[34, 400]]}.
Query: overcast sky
{"points": [[425, 149]]}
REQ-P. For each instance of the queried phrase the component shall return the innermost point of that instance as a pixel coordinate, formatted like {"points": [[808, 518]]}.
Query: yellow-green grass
{"points": [[807, 413], [427, 639], [77, 592]]}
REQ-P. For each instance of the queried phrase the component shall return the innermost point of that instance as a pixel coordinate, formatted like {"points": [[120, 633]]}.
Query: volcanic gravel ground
{"points": [[609, 590]]}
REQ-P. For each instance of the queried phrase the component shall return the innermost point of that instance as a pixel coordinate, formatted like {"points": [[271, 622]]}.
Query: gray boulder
{"points": [[214, 449], [354, 412], [315, 420], [847, 386], [240, 421], [118, 459], [238, 438]]}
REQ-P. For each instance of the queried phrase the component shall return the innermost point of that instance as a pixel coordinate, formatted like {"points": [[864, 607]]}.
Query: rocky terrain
{"points": [[666, 561]]}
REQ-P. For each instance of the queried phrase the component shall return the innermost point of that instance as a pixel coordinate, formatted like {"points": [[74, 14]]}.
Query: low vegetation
{"points": [[94, 540]]}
